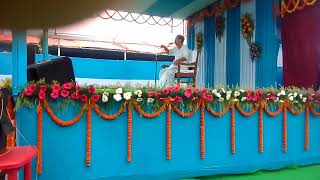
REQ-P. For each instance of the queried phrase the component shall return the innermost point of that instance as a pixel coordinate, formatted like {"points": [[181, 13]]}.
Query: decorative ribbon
{"points": [[202, 131], [89, 129], [129, 149], [168, 132]]}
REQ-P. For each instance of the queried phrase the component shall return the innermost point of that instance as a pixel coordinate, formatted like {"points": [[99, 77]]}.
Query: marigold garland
{"points": [[211, 111], [168, 131], [306, 146], [242, 112], [39, 145], [186, 115], [294, 5], [11, 138], [273, 114], [284, 129], [261, 128], [314, 112], [62, 122], [150, 115], [129, 128], [89, 129], [233, 130], [293, 111], [202, 131], [108, 117]]}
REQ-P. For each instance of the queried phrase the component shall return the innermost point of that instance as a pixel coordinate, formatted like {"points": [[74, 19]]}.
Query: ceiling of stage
{"points": [[53, 13]]}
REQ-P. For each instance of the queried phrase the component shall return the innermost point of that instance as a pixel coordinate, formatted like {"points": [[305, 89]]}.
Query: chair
{"points": [[191, 73]]}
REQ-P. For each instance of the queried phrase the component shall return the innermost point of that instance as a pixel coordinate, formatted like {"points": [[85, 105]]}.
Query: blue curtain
{"points": [[266, 65], [191, 37], [233, 46], [209, 50]]}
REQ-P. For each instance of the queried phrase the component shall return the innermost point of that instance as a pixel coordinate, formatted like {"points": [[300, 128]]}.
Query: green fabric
{"points": [[294, 173]]}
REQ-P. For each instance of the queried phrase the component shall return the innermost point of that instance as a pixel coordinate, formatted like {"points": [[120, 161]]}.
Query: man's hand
{"points": [[176, 62], [165, 49]]}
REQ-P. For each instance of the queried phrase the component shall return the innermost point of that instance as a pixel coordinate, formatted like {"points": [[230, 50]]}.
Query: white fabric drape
{"points": [[220, 72], [247, 67], [200, 81]]}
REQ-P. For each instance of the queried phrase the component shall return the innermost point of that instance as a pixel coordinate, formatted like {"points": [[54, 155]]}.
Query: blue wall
{"points": [[64, 147], [98, 68]]}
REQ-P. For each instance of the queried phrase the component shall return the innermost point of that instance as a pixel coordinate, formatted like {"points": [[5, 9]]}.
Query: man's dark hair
{"points": [[181, 38]]}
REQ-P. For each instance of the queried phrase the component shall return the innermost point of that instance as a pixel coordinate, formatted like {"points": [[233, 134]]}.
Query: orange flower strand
{"points": [[89, 129], [11, 138], [168, 133], [108, 117], [242, 112], [273, 114], [314, 112], [61, 122], [186, 115], [39, 145], [129, 129], [202, 131], [233, 131], [284, 129], [306, 131], [211, 111], [148, 115], [293, 111], [261, 129]]}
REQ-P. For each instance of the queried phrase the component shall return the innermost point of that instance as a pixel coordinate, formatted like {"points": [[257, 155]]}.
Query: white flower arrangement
{"points": [[119, 91], [105, 97], [138, 93], [127, 95], [221, 99], [150, 100], [139, 99], [243, 99], [236, 93], [304, 99], [117, 97]]}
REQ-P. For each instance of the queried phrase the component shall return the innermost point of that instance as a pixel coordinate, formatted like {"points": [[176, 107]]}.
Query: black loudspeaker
{"points": [[59, 69], [31, 54]]}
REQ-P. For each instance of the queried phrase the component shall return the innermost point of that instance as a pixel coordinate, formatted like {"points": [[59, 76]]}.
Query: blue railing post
{"points": [[19, 61]]}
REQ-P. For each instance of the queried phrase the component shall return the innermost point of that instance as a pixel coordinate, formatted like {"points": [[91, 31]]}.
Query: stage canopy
{"points": [[54, 13]]}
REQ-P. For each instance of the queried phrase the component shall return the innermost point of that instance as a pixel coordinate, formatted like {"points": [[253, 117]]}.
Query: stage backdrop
{"points": [[228, 62], [301, 47]]}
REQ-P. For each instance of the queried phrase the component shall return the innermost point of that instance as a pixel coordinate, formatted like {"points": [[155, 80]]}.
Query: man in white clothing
{"points": [[181, 54]]}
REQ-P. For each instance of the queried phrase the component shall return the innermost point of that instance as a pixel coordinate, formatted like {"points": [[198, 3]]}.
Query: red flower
{"points": [[194, 99], [95, 98], [43, 88], [188, 93], [165, 91], [42, 95], [196, 90], [157, 94], [204, 95], [178, 99], [54, 95], [91, 89], [176, 88], [67, 85], [55, 87], [310, 98], [204, 91], [75, 95], [83, 98], [65, 93], [171, 88], [150, 94], [255, 98], [32, 87], [209, 97], [78, 88], [28, 92]]}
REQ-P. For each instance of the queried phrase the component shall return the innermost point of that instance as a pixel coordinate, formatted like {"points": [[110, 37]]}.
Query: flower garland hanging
{"points": [[254, 51], [220, 26], [199, 40], [247, 27]]}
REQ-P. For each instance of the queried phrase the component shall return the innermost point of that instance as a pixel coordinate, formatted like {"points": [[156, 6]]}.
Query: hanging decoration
{"points": [[295, 101], [215, 8], [220, 26], [254, 51], [247, 27], [199, 40], [290, 6]]}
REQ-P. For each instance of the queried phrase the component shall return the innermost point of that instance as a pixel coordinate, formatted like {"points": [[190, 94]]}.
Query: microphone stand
{"points": [[155, 73]]}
